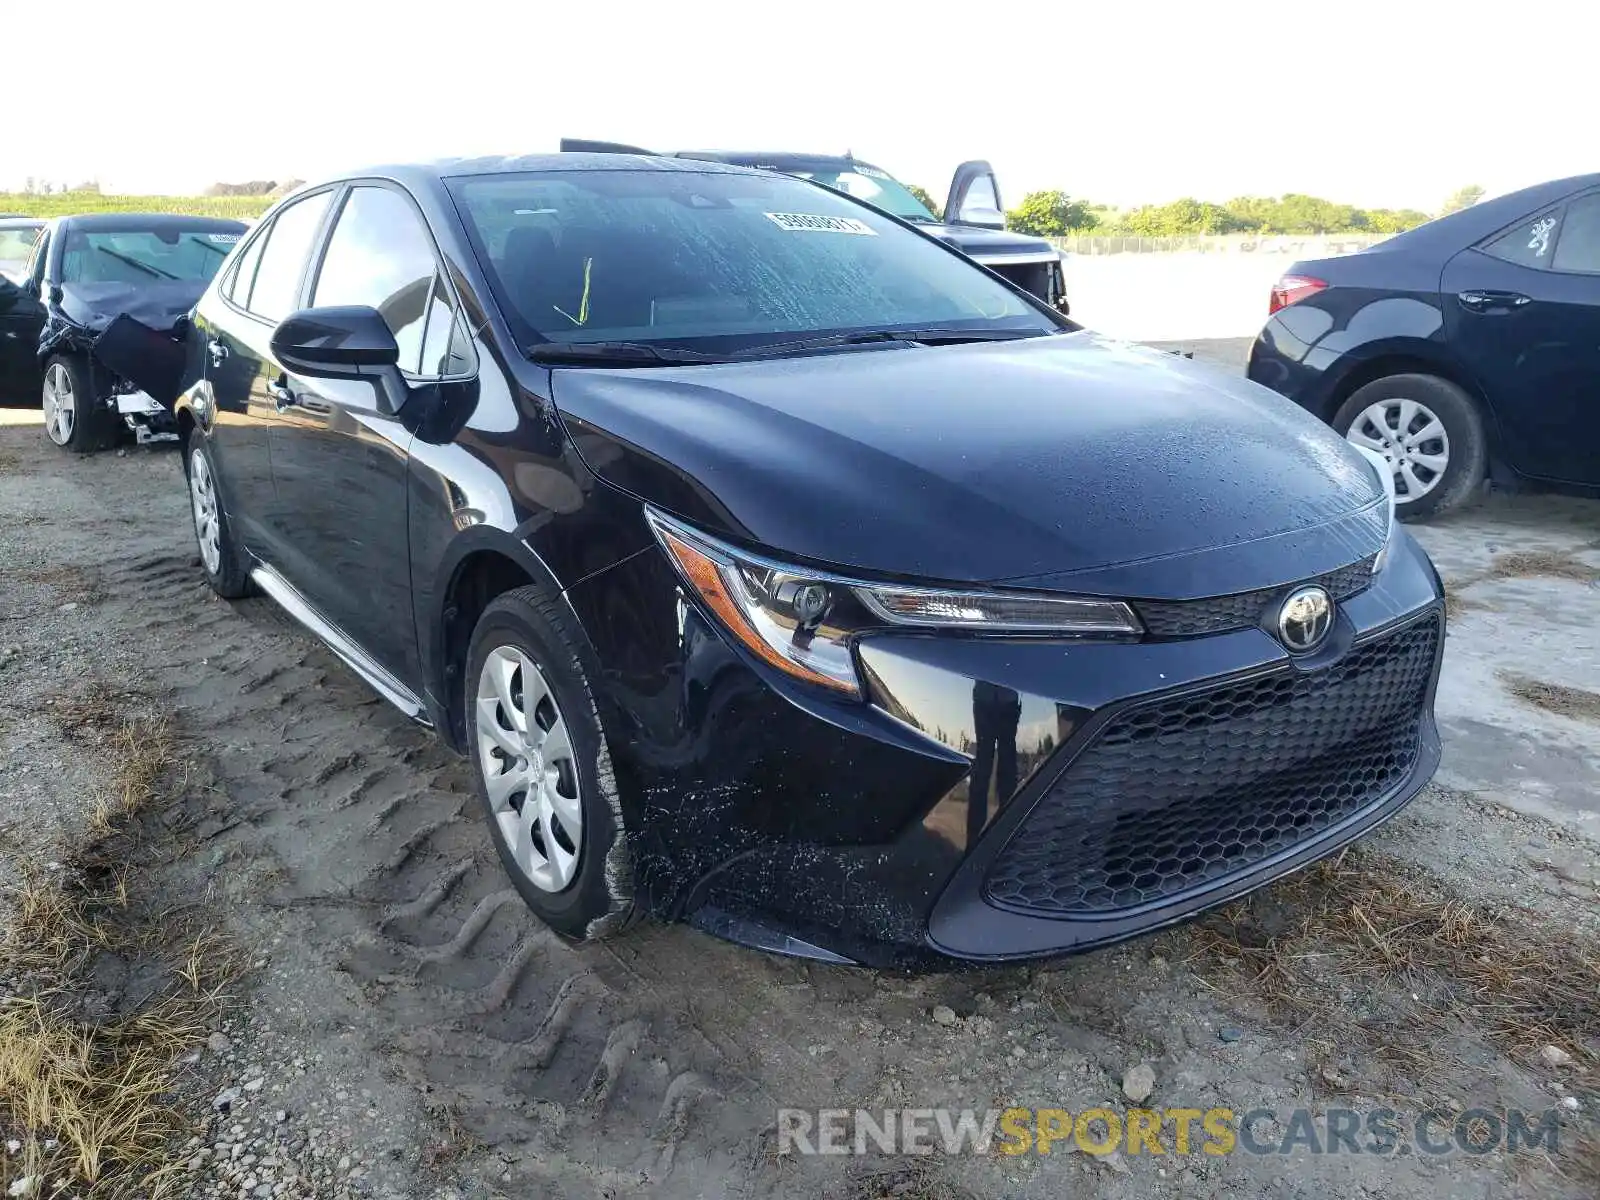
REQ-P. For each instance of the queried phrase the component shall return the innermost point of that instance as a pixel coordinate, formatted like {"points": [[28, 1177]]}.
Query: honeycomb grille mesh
{"points": [[1176, 794], [1223, 614]]}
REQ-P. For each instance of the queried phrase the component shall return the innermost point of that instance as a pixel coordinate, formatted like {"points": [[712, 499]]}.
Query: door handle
{"points": [[282, 397], [1489, 301], [218, 351]]}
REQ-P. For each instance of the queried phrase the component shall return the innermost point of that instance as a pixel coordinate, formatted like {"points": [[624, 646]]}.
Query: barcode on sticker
{"points": [[812, 222]]}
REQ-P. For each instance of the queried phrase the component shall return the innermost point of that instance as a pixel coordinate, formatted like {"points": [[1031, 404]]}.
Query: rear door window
{"points": [[1579, 246], [1529, 242], [289, 241]]}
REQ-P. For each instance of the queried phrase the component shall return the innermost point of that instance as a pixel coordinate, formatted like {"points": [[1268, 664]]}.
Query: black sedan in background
{"points": [[1468, 345], [82, 274], [781, 570]]}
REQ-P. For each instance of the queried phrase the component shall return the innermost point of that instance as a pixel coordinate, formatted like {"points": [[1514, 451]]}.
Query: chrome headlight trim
{"points": [[1385, 474]]}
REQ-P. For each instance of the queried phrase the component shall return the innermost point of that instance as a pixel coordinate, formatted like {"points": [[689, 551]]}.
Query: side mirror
{"points": [[343, 342], [975, 197]]}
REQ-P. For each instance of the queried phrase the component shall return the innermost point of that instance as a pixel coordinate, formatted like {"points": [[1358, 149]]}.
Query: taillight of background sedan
{"points": [[1465, 346], [781, 571]]}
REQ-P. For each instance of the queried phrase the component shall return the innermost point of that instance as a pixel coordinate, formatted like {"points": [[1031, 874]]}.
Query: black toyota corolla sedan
{"points": [[781, 571], [1467, 346]]}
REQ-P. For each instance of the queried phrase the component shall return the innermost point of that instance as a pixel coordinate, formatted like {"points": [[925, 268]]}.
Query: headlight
{"points": [[802, 622], [1386, 478]]}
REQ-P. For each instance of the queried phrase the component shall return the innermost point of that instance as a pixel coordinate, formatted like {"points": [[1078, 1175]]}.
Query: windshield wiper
{"points": [[134, 262], [920, 337], [600, 354]]}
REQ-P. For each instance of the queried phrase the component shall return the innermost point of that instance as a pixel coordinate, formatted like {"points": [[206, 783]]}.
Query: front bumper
{"points": [[807, 825]]}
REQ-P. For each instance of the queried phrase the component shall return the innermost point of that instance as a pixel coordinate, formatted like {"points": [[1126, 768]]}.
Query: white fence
{"points": [[1294, 245]]}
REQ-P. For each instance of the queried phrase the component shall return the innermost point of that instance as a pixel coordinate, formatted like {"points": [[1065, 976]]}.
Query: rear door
{"points": [[260, 288], [340, 464], [1523, 312]]}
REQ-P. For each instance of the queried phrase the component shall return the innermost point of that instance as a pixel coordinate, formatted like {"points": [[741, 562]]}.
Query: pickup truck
{"points": [[974, 219]]}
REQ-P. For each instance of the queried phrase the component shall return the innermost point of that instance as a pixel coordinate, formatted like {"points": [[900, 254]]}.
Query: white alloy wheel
{"points": [[60, 404], [1411, 439], [525, 752], [207, 515]]}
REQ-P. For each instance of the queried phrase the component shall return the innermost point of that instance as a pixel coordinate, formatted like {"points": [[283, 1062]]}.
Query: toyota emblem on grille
{"points": [[1305, 618]]}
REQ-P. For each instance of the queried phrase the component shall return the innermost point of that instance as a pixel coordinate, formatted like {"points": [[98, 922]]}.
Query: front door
{"points": [[21, 317], [1523, 311], [339, 463]]}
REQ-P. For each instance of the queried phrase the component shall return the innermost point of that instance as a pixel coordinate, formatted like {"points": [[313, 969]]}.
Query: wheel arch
{"points": [[1409, 360], [480, 569]]}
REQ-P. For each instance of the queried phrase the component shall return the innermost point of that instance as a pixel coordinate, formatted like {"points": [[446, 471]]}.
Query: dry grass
{"points": [[1455, 603], [1521, 564], [914, 1180], [1443, 961], [1577, 703], [71, 584], [92, 1098]]}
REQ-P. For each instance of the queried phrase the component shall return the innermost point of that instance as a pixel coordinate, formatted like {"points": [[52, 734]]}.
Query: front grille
{"points": [[1242, 610], [1175, 794]]}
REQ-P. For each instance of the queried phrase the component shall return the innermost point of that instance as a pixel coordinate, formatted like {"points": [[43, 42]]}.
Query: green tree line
{"points": [[1055, 214]]}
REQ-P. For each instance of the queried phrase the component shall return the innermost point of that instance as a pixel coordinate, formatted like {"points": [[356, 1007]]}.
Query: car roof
{"points": [[450, 168], [22, 222], [1467, 226], [121, 220]]}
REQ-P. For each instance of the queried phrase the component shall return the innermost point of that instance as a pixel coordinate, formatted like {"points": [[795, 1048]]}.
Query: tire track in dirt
{"points": [[543, 1052]]}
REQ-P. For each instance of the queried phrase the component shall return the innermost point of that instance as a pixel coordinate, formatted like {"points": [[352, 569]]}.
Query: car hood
{"points": [[984, 243], [156, 304], [1068, 461]]}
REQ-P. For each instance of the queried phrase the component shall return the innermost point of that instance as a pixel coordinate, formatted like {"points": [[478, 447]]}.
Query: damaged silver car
{"points": [[103, 286]]}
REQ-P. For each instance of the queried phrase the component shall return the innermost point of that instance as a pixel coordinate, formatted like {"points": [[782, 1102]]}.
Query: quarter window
{"points": [[380, 255], [244, 275], [1528, 244], [1579, 247], [277, 280]]}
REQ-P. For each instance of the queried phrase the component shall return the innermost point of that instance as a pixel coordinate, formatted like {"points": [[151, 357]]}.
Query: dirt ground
{"points": [[403, 1028]]}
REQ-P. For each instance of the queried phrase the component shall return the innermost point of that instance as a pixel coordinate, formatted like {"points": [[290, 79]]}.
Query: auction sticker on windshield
{"points": [[813, 222]]}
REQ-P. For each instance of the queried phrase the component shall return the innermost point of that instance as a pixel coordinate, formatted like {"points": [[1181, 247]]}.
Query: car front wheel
{"points": [[1430, 433], [74, 417], [543, 771]]}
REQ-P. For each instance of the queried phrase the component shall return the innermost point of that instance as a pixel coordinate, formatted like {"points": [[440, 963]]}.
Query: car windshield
{"points": [[148, 255], [715, 261], [16, 241]]}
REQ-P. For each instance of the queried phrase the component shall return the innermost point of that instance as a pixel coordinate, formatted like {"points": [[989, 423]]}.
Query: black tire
{"points": [[227, 577], [92, 425], [598, 901], [1465, 445]]}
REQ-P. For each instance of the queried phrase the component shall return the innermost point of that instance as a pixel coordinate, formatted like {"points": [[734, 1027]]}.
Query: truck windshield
{"points": [[145, 255], [714, 261], [877, 187]]}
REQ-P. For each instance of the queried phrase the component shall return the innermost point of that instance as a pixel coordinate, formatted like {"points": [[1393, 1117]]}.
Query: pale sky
{"points": [[1379, 104]]}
